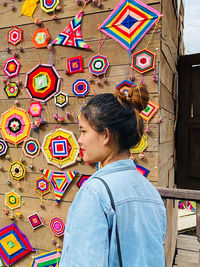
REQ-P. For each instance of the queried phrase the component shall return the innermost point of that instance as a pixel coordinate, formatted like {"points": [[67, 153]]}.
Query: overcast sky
{"points": [[192, 26]]}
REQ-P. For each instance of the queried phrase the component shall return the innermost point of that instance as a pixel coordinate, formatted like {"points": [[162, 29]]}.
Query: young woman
{"points": [[130, 232]]}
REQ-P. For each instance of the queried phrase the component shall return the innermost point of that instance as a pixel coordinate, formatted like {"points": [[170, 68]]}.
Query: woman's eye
{"points": [[82, 131]]}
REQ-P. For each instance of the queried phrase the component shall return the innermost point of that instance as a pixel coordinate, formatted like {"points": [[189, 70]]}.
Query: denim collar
{"points": [[115, 166]]}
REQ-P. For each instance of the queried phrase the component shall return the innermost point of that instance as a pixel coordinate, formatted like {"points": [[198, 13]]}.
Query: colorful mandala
{"points": [[129, 22], [98, 64], [80, 88], [11, 67], [42, 186], [35, 220], [35, 109], [42, 82], [49, 5], [149, 111], [15, 35], [17, 170], [59, 180], [143, 61], [3, 147], [14, 244], [82, 180], [12, 200], [57, 226], [11, 90], [75, 64], [61, 99], [15, 125], [142, 170], [31, 147], [47, 259], [41, 38], [60, 148], [141, 146]]}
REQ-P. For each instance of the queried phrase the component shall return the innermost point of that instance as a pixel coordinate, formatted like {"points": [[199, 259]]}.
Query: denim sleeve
{"points": [[86, 233]]}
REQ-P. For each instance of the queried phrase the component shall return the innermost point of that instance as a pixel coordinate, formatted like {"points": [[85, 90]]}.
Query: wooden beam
{"points": [[183, 194]]}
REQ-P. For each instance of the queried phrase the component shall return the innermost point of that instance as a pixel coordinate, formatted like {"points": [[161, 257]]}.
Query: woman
{"points": [[110, 125]]}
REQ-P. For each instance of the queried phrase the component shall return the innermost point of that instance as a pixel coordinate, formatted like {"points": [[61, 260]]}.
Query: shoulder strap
{"points": [[113, 206]]}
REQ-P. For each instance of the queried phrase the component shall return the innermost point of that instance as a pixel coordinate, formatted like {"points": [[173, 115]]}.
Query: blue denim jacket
{"points": [[90, 233]]}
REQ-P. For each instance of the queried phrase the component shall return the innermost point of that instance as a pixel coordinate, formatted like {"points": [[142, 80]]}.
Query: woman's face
{"points": [[92, 142]]}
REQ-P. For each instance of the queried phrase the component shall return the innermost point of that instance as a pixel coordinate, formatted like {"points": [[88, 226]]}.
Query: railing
{"points": [[184, 194]]}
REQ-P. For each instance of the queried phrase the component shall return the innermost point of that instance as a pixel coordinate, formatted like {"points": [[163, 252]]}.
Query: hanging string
{"points": [[82, 9], [101, 43], [151, 36], [58, 250], [38, 55], [84, 51], [129, 64], [51, 57]]}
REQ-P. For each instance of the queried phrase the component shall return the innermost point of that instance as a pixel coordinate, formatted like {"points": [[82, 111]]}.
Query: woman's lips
{"points": [[82, 152]]}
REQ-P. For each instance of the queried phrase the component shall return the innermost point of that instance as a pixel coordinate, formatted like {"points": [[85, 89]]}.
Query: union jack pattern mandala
{"points": [[72, 35]]}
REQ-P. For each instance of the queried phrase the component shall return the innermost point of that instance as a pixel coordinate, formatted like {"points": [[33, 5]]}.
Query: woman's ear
{"points": [[107, 136]]}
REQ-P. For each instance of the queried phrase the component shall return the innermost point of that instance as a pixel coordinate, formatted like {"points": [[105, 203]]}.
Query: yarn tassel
{"points": [[147, 129], [154, 75], [13, 8], [141, 79], [132, 77]]}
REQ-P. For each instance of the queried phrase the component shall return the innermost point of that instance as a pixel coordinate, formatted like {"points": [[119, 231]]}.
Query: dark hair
{"points": [[119, 113]]}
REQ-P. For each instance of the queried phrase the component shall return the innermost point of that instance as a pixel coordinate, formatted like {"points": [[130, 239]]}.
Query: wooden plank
{"points": [[170, 240], [171, 177], [27, 191], [172, 22], [166, 151], [198, 220], [191, 246], [166, 127], [184, 194], [189, 254], [111, 48], [116, 74], [187, 220], [150, 162], [69, 9], [163, 173], [23, 224], [168, 46], [167, 73], [166, 100], [183, 260]]}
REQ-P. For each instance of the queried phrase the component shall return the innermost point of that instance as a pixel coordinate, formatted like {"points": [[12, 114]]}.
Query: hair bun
{"points": [[137, 97]]}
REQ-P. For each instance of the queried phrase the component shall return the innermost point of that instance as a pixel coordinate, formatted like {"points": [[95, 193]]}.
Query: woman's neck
{"points": [[115, 157]]}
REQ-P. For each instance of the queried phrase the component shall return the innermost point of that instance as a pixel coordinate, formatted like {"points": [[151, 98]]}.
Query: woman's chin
{"points": [[88, 160]]}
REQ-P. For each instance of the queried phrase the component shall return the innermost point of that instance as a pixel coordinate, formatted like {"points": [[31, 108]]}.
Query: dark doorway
{"points": [[188, 126]]}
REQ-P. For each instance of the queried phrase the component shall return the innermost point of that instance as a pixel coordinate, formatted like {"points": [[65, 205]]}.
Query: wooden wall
{"points": [[171, 47], [159, 156]]}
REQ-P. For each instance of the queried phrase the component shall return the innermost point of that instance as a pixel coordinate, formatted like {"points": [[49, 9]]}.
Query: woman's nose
{"points": [[79, 140]]}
